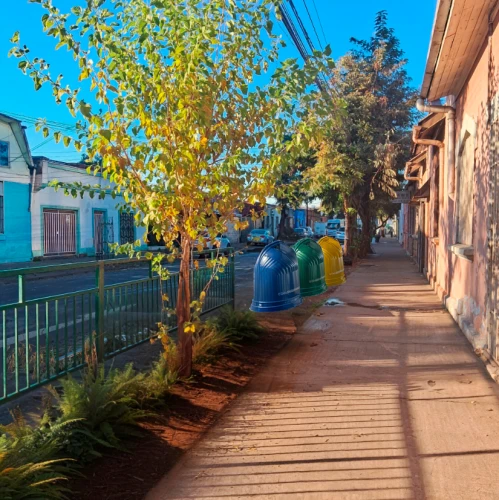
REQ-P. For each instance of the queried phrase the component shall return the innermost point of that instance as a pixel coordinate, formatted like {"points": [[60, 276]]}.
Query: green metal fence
{"points": [[44, 338]]}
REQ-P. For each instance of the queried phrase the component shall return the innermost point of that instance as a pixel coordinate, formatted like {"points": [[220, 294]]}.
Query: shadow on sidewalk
{"points": [[365, 403]]}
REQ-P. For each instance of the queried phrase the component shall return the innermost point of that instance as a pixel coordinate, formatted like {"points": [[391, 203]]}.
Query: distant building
{"points": [[38, 222], [64, 225], [16, 166], [300, 217], [272, 219]]}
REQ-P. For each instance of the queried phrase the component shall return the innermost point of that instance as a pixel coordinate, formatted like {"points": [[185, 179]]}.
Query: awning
{"points": [[422, 194]]}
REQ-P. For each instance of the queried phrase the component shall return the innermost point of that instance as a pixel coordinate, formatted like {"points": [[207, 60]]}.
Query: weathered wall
{"points": [[15, 241], [463, 281]]}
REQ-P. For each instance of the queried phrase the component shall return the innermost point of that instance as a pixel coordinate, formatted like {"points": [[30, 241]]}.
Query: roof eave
{"points": [[442, 15]]}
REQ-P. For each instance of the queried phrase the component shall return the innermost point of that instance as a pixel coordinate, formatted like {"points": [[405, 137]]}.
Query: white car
{"points": [[221, 242], [332, 226], [260, 237]]}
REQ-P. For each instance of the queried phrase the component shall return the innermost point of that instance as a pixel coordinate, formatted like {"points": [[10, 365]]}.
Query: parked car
{"points": [[221, 241], [260, 237], [320, 229], [332, 226], [340, 235], [300, 232], [310, 233]]}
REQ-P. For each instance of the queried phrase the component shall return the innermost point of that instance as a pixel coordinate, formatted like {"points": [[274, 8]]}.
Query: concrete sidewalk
{"points": [[381, 398]]}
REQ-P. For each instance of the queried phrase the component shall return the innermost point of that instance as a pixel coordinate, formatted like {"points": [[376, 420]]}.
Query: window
{"points": [[465, 167], [127, 228], [436, 202], [1, 209], [4, 154]]}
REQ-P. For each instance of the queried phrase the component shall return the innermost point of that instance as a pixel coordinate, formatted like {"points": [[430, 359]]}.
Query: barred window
{"points": [[466, 165], [4, 154]]}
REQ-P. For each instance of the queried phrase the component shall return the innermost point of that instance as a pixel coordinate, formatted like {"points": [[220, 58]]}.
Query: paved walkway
{"points": [[381, 398]]}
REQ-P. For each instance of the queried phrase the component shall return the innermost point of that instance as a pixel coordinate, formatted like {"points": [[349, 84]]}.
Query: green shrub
{"points": [[241, 325], [105, 406], [208, 339], [28, 464], [157, 383]]}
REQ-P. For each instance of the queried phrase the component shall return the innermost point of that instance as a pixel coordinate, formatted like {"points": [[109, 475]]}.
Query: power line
{"points": [[34, 121], [321, 81], [320, 22], [313, 25], [289, 25], [32, 149], [301, 25]]}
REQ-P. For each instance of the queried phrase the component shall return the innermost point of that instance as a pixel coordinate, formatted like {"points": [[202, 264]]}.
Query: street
{"points": [[46, 338], [45, 285]]}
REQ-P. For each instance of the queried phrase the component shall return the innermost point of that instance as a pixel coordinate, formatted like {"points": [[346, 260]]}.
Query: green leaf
{"points": [[106, 134], [85, 109]]}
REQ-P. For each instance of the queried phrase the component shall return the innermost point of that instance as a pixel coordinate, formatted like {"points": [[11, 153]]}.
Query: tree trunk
{"points": [[365, 245], [282, 222], [184, 310], [349, 227]]}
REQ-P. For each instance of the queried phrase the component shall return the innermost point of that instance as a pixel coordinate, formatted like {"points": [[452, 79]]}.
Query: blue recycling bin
{"points": [[276, 279]]}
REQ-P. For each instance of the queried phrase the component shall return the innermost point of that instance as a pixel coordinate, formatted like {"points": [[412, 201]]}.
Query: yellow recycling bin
{"points": [[333, 261]]}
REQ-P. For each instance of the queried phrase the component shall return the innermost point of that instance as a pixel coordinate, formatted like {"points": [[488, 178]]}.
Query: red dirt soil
{"points": [[190, 410]]}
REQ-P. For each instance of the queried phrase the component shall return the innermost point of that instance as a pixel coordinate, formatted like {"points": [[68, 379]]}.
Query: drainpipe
{"points": [[407, 177], [451, 127], [33, 174]]}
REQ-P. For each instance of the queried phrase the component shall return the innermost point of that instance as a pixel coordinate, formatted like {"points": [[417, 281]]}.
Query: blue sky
{"points": [[340, 21]]}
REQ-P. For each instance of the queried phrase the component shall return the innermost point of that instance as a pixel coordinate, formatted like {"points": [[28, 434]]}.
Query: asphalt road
{"points": [[48, 285]]}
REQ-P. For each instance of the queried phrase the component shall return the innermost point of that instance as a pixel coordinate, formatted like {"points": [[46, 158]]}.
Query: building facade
{"points": [[79, 226], [36, 221], [16, 166], [450, 226]]}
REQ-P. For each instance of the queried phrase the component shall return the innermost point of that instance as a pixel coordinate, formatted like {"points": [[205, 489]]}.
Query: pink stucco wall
{"points": [[462, 282]]}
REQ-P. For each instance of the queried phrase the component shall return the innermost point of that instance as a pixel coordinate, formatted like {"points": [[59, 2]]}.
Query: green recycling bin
{"points": [[311, 267]]}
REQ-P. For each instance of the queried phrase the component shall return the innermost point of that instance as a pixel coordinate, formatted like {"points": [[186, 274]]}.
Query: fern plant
{"points": [[106, 407], [29, 468], [209, 338], [240, 325], [158, 383]]}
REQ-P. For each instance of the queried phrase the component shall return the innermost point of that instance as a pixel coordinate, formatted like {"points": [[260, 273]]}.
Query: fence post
{"points": [[233, 277], [21, 289], [99, 310]]}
